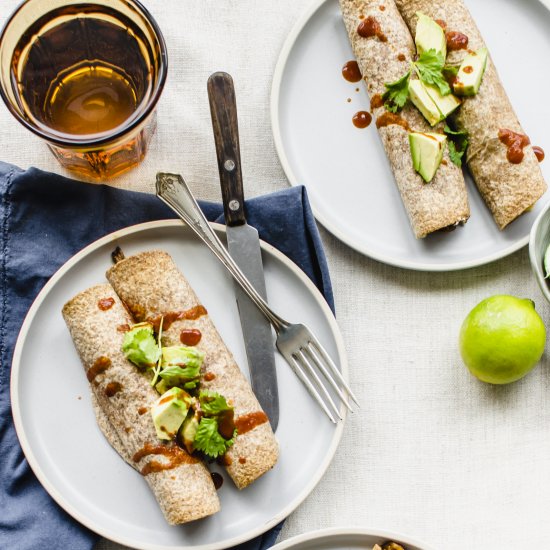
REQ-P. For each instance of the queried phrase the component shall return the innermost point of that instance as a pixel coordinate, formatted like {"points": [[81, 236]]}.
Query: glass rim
{"points": [[118, 132]]}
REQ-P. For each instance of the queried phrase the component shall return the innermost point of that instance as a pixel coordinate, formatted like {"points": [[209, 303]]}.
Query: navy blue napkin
{"points": [[45, 219]]}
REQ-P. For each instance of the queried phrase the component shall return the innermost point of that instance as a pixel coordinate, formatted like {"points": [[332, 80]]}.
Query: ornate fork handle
{"points": [[172, 190]]}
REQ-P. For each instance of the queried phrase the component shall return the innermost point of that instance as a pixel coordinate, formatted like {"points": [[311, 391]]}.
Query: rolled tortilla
{"points": [[383, 58], [181, 484], [151, 286], [508, 189]]}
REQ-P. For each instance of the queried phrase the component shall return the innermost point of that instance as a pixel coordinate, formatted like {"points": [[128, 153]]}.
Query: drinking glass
{"points": [[85, 77]]}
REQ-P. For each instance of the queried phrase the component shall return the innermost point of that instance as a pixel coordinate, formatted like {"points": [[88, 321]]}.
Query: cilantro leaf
{"points": [[430, 70], [455, 154], [208, 439], [397, 93], [140, 347], [213, 403], [458, 144], [450, 132]]}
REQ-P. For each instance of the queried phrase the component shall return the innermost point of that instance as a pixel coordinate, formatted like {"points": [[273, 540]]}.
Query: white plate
{"points": [[346, 539], [75, 464], [346, 171]]}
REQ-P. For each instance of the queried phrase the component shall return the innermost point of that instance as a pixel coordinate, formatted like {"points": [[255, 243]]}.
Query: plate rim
{"points": [[277, 81], [51, 489], [348, 531]]}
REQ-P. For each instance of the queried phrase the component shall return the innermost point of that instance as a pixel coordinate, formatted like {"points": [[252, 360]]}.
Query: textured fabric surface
{"points": [[432, 452], [42, 226]]}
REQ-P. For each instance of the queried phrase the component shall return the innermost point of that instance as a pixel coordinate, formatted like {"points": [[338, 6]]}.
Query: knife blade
{"points": [[244, 245]]}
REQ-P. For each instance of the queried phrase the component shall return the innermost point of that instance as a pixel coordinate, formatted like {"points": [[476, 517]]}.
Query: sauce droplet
{"points": [[369, 28], [242, 460], [351, 72], [515, 143], [171, 317], [456, 41], [123, 328], [105, 303], [209, 376], [539, 152], [190, 337], [362, 119], [382, 8], [442, 23], [217, 479], [401, 57], [142, 411], [112, 388], [469, 69], [376, 102], [100, 365]]}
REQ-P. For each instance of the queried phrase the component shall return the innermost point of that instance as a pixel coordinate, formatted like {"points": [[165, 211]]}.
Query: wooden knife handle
{"points": [[223, 109]]}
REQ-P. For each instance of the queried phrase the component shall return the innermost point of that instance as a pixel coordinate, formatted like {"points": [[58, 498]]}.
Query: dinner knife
{"points": [[244, 245]]}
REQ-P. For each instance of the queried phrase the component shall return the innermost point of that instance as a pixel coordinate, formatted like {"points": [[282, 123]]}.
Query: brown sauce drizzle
{"points": [[515, 143], [123, 328], [105, 303], [388, 119], [190, 336], [217, 479], [224, 460], [248, 422], [539, 152], [172, 316], [175, 455], [456, 41], [442, 23], [101, 365], [351, 72], [112, 388], [142, 411], [382, 8], [376, 102], [362, 119], [128, 429], [242, 460], [226, 424], [166, 399], [209, 376], [370, 27], [469, 69], [401, 57]]}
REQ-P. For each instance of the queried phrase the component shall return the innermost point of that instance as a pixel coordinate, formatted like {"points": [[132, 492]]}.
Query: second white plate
{"points": [[346, 539], [345, 170]]}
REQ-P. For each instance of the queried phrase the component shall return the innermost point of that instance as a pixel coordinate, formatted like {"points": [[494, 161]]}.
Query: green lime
{"points": [[502, 339]]}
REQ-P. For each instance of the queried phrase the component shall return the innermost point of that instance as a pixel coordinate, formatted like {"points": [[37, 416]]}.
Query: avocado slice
{"points": [[427, 153], [169, 412], [188, 431], [469, 77], [429, 101], [429, 36]]}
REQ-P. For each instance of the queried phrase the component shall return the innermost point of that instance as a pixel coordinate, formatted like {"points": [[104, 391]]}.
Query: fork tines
{"points": [[317, 371]]}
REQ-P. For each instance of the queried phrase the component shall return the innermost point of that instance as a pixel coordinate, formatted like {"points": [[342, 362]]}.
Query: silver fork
{"points": [[296, 342]]}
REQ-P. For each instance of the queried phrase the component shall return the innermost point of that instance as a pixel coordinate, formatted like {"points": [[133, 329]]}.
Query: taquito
{"points": [[182, 485], [152, 287], [508, 187], [384, 57]]}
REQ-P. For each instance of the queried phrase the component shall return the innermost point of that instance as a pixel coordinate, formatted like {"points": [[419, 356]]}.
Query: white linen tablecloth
{"points": [[432, 452]]}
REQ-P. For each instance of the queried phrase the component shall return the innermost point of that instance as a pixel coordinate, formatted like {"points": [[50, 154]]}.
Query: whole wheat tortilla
{"points": [[184, 492], [508, 189], [443, 202], [151, 285]]}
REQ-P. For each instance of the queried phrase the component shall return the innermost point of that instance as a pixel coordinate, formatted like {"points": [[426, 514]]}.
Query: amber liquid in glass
{"points": [[86, 74]]}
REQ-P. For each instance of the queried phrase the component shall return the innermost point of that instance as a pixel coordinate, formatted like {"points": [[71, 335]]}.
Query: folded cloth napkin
{"points": [[45, 219]]}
